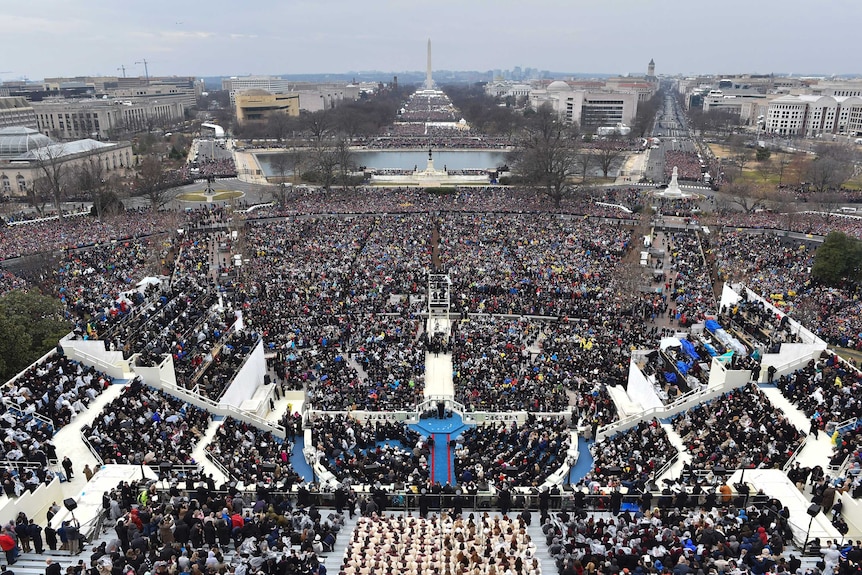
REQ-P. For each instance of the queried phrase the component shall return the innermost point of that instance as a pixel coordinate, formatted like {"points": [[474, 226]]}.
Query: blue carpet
{"points": [[431, 426], [443, 464], [585, 461], [297, 459]]}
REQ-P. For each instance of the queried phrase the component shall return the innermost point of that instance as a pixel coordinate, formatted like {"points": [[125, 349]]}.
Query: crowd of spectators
{"points": [[378, 451], [826, 390], [222, 362], [253, 456], [687, 281], [633, 456], [741, 429], [57, 389], [780, 270], [551, 267], [491, 360], [216, 167], [438, 142], [441, 544], [200, 530], [687, 164], [146, 426], [99, 286], [10, 282], [510, 454], [714, 538], [46, 236]]}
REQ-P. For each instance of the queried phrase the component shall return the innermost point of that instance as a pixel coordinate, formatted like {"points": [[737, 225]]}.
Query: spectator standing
{"points": [[67, 465]]}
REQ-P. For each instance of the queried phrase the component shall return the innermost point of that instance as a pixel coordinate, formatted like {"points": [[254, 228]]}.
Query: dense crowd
{"points": [[56, 388], [383, 452], [146, 426], [491, 358], [52, 235], [253, 456], [780, 270], [714, 538], [10, 282], [633, 457], [826, 390], [193, 530], [511, 454], [688, 165], [741, 429], [441, 544]]}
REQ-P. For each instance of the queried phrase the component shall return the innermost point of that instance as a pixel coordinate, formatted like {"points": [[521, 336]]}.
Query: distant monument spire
{"points": [[429, 82]]}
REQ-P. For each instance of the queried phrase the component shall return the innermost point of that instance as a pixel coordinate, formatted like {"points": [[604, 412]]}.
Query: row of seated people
{"points": [[713, 538], [633, 456], [25, 477], [57, 388], [90, 283], [516, 455], [158, 324], [490, 357], [146, 426], [848, 456], [192, 531], [377, 451], [826, 390], [780, 269], [251, 455], [552, 267], [689, 285], [741, 429], [448, 544], [222, 362], [42, 236]]}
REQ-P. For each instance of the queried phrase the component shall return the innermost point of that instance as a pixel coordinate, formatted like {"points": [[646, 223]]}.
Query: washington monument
{"points": [[429, 82]]}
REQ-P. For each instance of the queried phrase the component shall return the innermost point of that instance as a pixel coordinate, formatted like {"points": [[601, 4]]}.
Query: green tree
{"points": [[30, 325], [838, 259]]}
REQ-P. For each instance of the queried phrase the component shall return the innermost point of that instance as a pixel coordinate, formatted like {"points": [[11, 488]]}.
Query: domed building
{"points": [[558, 86], [26, 154], [18, 140]]}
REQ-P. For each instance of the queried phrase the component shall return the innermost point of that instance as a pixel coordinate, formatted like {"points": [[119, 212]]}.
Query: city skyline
{"points": [[76, 38]]}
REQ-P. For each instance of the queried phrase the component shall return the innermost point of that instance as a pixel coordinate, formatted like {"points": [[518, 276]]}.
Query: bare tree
{"points": [[153, 181], [283, 163], [832, 167], [585, 161], [39, 195], [93, 179], [55, 174], [744, 195], [607, 152], [332, 160], [784, 161], [546, 154]]}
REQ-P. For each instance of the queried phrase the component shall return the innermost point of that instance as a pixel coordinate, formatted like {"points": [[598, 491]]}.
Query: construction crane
{"points": [[123, 68], [146, 71]]}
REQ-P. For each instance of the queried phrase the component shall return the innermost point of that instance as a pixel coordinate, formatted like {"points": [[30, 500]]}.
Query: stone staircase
{"points": [[334, 558], [546, 562]]}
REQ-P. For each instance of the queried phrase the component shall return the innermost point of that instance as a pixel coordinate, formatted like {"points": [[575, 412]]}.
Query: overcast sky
{"points": [[219, 37]]}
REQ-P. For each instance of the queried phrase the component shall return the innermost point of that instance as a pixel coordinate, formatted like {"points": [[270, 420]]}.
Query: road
{"points": [[671, 128]]}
